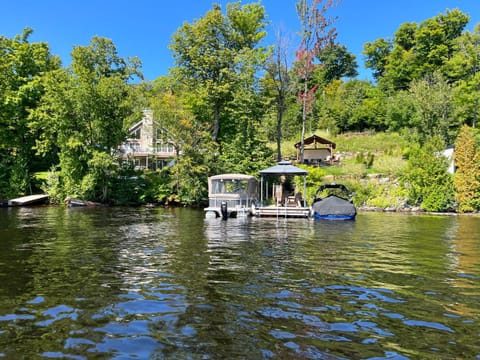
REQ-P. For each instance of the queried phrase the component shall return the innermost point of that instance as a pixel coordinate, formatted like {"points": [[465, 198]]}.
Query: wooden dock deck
{"points": [[282, 211], [28, 200]]}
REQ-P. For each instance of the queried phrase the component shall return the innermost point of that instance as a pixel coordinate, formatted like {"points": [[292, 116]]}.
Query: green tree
{"points": [[376, 56], [22, 65], [176, 123], [399, 69], [464, 69], [435, 39], [467, 176], [400, 111], [400, 63], [210, 55], [195, 150], [85, 111], [354, 105], [432, 100], [416, 51], [426, 179], [246, 152], [278, 84], [337, 62]]}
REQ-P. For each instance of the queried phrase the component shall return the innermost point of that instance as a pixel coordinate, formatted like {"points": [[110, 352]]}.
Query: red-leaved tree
{"points": [[317, 33]]}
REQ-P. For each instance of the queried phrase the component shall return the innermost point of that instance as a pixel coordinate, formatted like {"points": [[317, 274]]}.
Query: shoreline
{"points": [[414, 211]]}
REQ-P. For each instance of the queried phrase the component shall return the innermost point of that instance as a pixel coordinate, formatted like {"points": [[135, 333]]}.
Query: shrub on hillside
{"points": [[426, 179], [467, 177]]}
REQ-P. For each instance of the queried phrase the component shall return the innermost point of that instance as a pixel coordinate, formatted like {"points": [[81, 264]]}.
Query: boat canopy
{"points": [[284, 168], [232, 184]]}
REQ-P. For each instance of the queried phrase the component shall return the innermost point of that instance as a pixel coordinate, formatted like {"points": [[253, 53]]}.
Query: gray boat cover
{"points": [[334, 205]]}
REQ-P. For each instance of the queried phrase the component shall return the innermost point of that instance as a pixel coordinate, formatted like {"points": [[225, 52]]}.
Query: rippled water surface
{"points": [[123, 283]]}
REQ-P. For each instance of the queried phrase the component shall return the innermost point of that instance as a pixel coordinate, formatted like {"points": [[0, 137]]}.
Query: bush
{"points": [[157, 189], [53, 187], [426, 179]]}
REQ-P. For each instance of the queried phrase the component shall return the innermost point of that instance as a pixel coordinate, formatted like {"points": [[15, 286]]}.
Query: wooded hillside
{"points": [[231, 102]]}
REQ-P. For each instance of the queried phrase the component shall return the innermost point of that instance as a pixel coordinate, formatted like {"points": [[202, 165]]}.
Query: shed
{"points": [[316, 149]]}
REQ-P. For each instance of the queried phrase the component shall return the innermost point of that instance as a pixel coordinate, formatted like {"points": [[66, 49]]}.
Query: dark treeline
{"points": [[229, 97]]}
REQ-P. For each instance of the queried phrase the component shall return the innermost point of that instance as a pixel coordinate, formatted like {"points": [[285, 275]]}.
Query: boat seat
{"points": [[290, 201]]}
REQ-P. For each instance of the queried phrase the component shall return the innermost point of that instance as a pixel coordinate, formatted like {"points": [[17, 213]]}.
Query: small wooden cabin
{"points": [[316, 150]]}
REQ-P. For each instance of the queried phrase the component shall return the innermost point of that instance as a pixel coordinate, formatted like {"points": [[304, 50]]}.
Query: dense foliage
{"points": [[229, 98], [426, 179], [22, 66], [82, 116], [467, 177]]}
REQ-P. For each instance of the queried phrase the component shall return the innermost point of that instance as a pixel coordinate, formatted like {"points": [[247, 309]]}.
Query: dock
{"points": [[28, 200], [282, 211]]}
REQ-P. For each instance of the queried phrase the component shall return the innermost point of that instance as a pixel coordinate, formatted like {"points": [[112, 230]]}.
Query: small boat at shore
{"points": [[73, 202], [335, 204]]}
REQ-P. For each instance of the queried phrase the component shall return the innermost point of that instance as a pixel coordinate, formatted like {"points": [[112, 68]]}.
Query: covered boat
{"points": [[231, 195], [335, 205]]}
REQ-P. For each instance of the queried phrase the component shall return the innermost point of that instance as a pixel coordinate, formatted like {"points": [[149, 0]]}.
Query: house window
{"points": [[136, 134]]}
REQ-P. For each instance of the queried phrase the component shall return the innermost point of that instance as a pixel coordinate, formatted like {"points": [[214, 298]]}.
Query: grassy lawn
{"points": [[386, 150], [385, 154]]}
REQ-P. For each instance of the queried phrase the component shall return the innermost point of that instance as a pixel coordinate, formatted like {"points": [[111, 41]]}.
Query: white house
{"points": [[448, 153], [145, 146]]}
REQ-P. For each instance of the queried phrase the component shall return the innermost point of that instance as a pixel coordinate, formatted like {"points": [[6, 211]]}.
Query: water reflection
{"points": [[166, 283]]}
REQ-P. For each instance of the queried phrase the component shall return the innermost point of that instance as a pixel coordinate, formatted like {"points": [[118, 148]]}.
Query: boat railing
{"points": [[231, 203]]}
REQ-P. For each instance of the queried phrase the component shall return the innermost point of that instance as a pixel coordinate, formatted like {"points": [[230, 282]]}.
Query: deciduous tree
{"points": [[337, 63], [464, 69], [416, 51], [432, 100], [376, 56], [278, 80], [22, 65], [85, 111], [317, 33], [210, 54]]}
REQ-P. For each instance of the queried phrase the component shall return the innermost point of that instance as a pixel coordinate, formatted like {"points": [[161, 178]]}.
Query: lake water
{"points": [[138, 283]]}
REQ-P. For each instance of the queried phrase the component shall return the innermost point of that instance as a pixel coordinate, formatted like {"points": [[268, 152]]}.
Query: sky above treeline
{"points": [[144, 28]]}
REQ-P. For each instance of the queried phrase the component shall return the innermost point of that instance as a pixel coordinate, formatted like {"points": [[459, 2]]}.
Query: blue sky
{"points": [[143, 28]]}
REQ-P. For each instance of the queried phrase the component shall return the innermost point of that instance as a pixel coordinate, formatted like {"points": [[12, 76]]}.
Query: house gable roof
{"points": [[314, 139], [134, 127]]}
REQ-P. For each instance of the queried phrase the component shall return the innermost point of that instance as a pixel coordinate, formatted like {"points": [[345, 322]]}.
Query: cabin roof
{"points": [[284, 168], [314, 139]]}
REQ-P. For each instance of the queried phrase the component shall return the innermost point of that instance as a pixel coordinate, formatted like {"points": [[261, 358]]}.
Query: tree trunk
{"points": [[279, 127], [216, 123], [304, 122], [475, 110]]}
